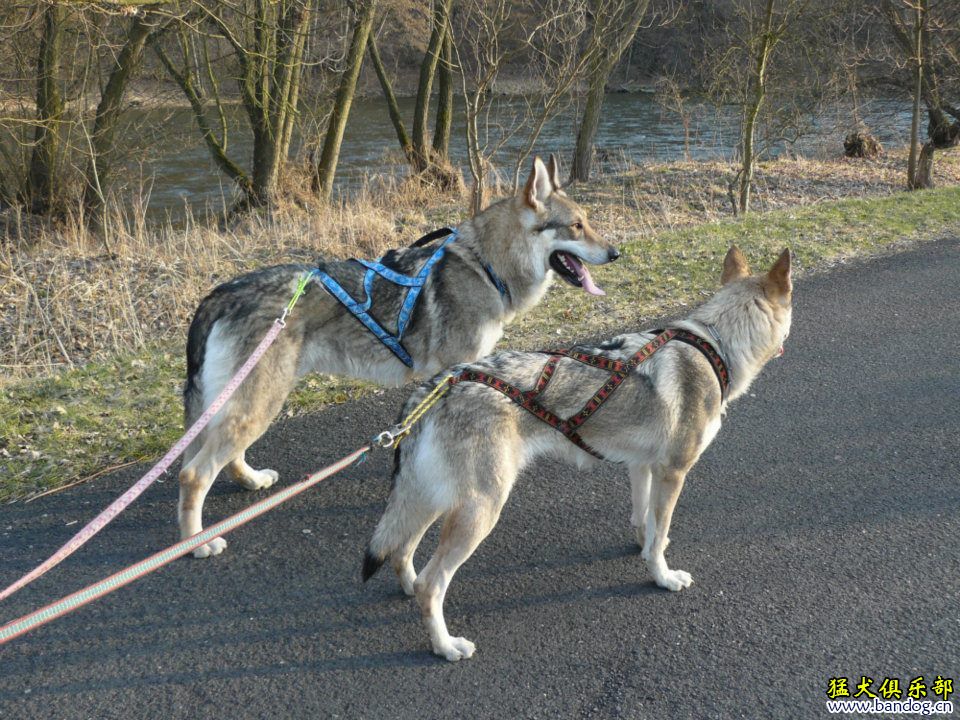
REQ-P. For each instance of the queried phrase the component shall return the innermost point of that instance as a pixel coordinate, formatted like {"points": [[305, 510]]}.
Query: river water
{"points": [[170, 163]]}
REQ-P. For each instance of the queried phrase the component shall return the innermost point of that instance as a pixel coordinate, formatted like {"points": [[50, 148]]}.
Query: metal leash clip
{"points": [[388, 438]]}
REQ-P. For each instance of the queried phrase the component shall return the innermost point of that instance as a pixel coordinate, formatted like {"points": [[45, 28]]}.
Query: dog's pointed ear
{"points": [[734, 266], [554, 167], [779, 275], [538, 187]]}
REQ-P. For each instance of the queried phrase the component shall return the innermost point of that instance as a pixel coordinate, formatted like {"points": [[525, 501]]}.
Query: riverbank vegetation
{"points": [[96, 293], [93, 375], [295, 67], [79, 295]]}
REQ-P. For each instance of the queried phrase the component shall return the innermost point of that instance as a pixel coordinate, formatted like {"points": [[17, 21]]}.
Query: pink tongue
{"points": [[583, 275]]}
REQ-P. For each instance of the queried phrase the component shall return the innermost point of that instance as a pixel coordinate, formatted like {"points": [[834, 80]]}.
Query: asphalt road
{"points": [[822, 529]]}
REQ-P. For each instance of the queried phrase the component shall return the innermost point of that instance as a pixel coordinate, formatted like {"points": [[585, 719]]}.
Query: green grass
{"points": [[79, 422], [57, 430], [675, 268]]}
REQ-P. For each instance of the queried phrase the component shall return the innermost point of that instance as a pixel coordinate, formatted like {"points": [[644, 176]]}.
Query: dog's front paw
{"points": [[674, 580], [457, 648], [214, 547]]}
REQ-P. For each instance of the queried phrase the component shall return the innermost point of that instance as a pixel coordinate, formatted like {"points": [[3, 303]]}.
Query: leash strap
{"points": [[124, 501], [414, 285], [126, 576], [393, 436]]}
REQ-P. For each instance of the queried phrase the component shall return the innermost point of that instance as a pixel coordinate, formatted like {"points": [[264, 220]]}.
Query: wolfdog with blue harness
{"points": [[444, 300]]}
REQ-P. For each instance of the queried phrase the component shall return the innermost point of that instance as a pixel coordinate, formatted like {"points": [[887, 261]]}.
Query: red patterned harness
{"points": [[619, 370]]}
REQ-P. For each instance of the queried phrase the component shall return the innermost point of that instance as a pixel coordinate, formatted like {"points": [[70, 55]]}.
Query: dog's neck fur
{"points": [[495, 235], [750, 327]]}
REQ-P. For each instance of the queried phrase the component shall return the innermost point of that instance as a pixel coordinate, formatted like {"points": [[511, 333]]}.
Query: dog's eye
{"points": [[578, 225]]}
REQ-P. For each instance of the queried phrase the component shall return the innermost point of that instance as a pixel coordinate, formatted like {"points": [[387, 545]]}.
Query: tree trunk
{"points": [[583, 154], [263, 176], [441, 13], [392, 107], [441, 132], [912, 176], [41, 189], [612, 35], [478, 168], [214, 144], [280, 103], [923, 174], [108, 113], [286, 124], [326, 169], [752, 111]]}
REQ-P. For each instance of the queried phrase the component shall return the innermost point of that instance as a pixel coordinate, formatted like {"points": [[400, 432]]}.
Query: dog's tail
{"points": [[379, 547], [411, 507], [371, 563], [207, 314], [413, 503]]}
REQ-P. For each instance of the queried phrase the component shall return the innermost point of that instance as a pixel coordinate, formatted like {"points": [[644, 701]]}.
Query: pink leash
{"points": [[124, 501], [116, 581]]}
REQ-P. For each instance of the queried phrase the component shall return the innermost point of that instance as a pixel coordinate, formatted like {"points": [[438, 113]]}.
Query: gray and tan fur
{"points": [[459, 317], [459, 465]]}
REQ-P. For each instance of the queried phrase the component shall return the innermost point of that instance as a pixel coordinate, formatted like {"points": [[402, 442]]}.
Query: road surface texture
{"points": [[822, 529]]}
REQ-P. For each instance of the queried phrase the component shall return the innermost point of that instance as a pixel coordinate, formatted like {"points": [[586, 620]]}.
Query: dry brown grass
{"points": [[653, 197], [68, 296]]}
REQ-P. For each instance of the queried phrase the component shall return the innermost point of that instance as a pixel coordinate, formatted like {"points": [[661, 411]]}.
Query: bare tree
{"points": [[493, 34], [393, 108], [927, 35], [51, 154], [327, 167], [555, 64], [444, 123], [428, 68], [670, 96], [40, 192], [615, 24], [488, 21], [763, 39], [739, 68], [110, 107], [267, 40], [920, 21]]}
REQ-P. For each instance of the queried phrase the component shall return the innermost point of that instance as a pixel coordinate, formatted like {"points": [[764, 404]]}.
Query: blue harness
{"points": [[414, 284]]}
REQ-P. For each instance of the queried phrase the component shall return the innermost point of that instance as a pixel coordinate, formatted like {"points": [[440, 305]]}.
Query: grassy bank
{"points": [[680, 267], [119, 402]]}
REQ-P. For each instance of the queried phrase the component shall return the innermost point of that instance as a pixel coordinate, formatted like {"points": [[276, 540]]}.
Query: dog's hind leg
{"points": [[196, 477], [241, 421], [464, 528], [252, 409], [402, 558], [247, 477], [640, 497], [665, 489]]}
